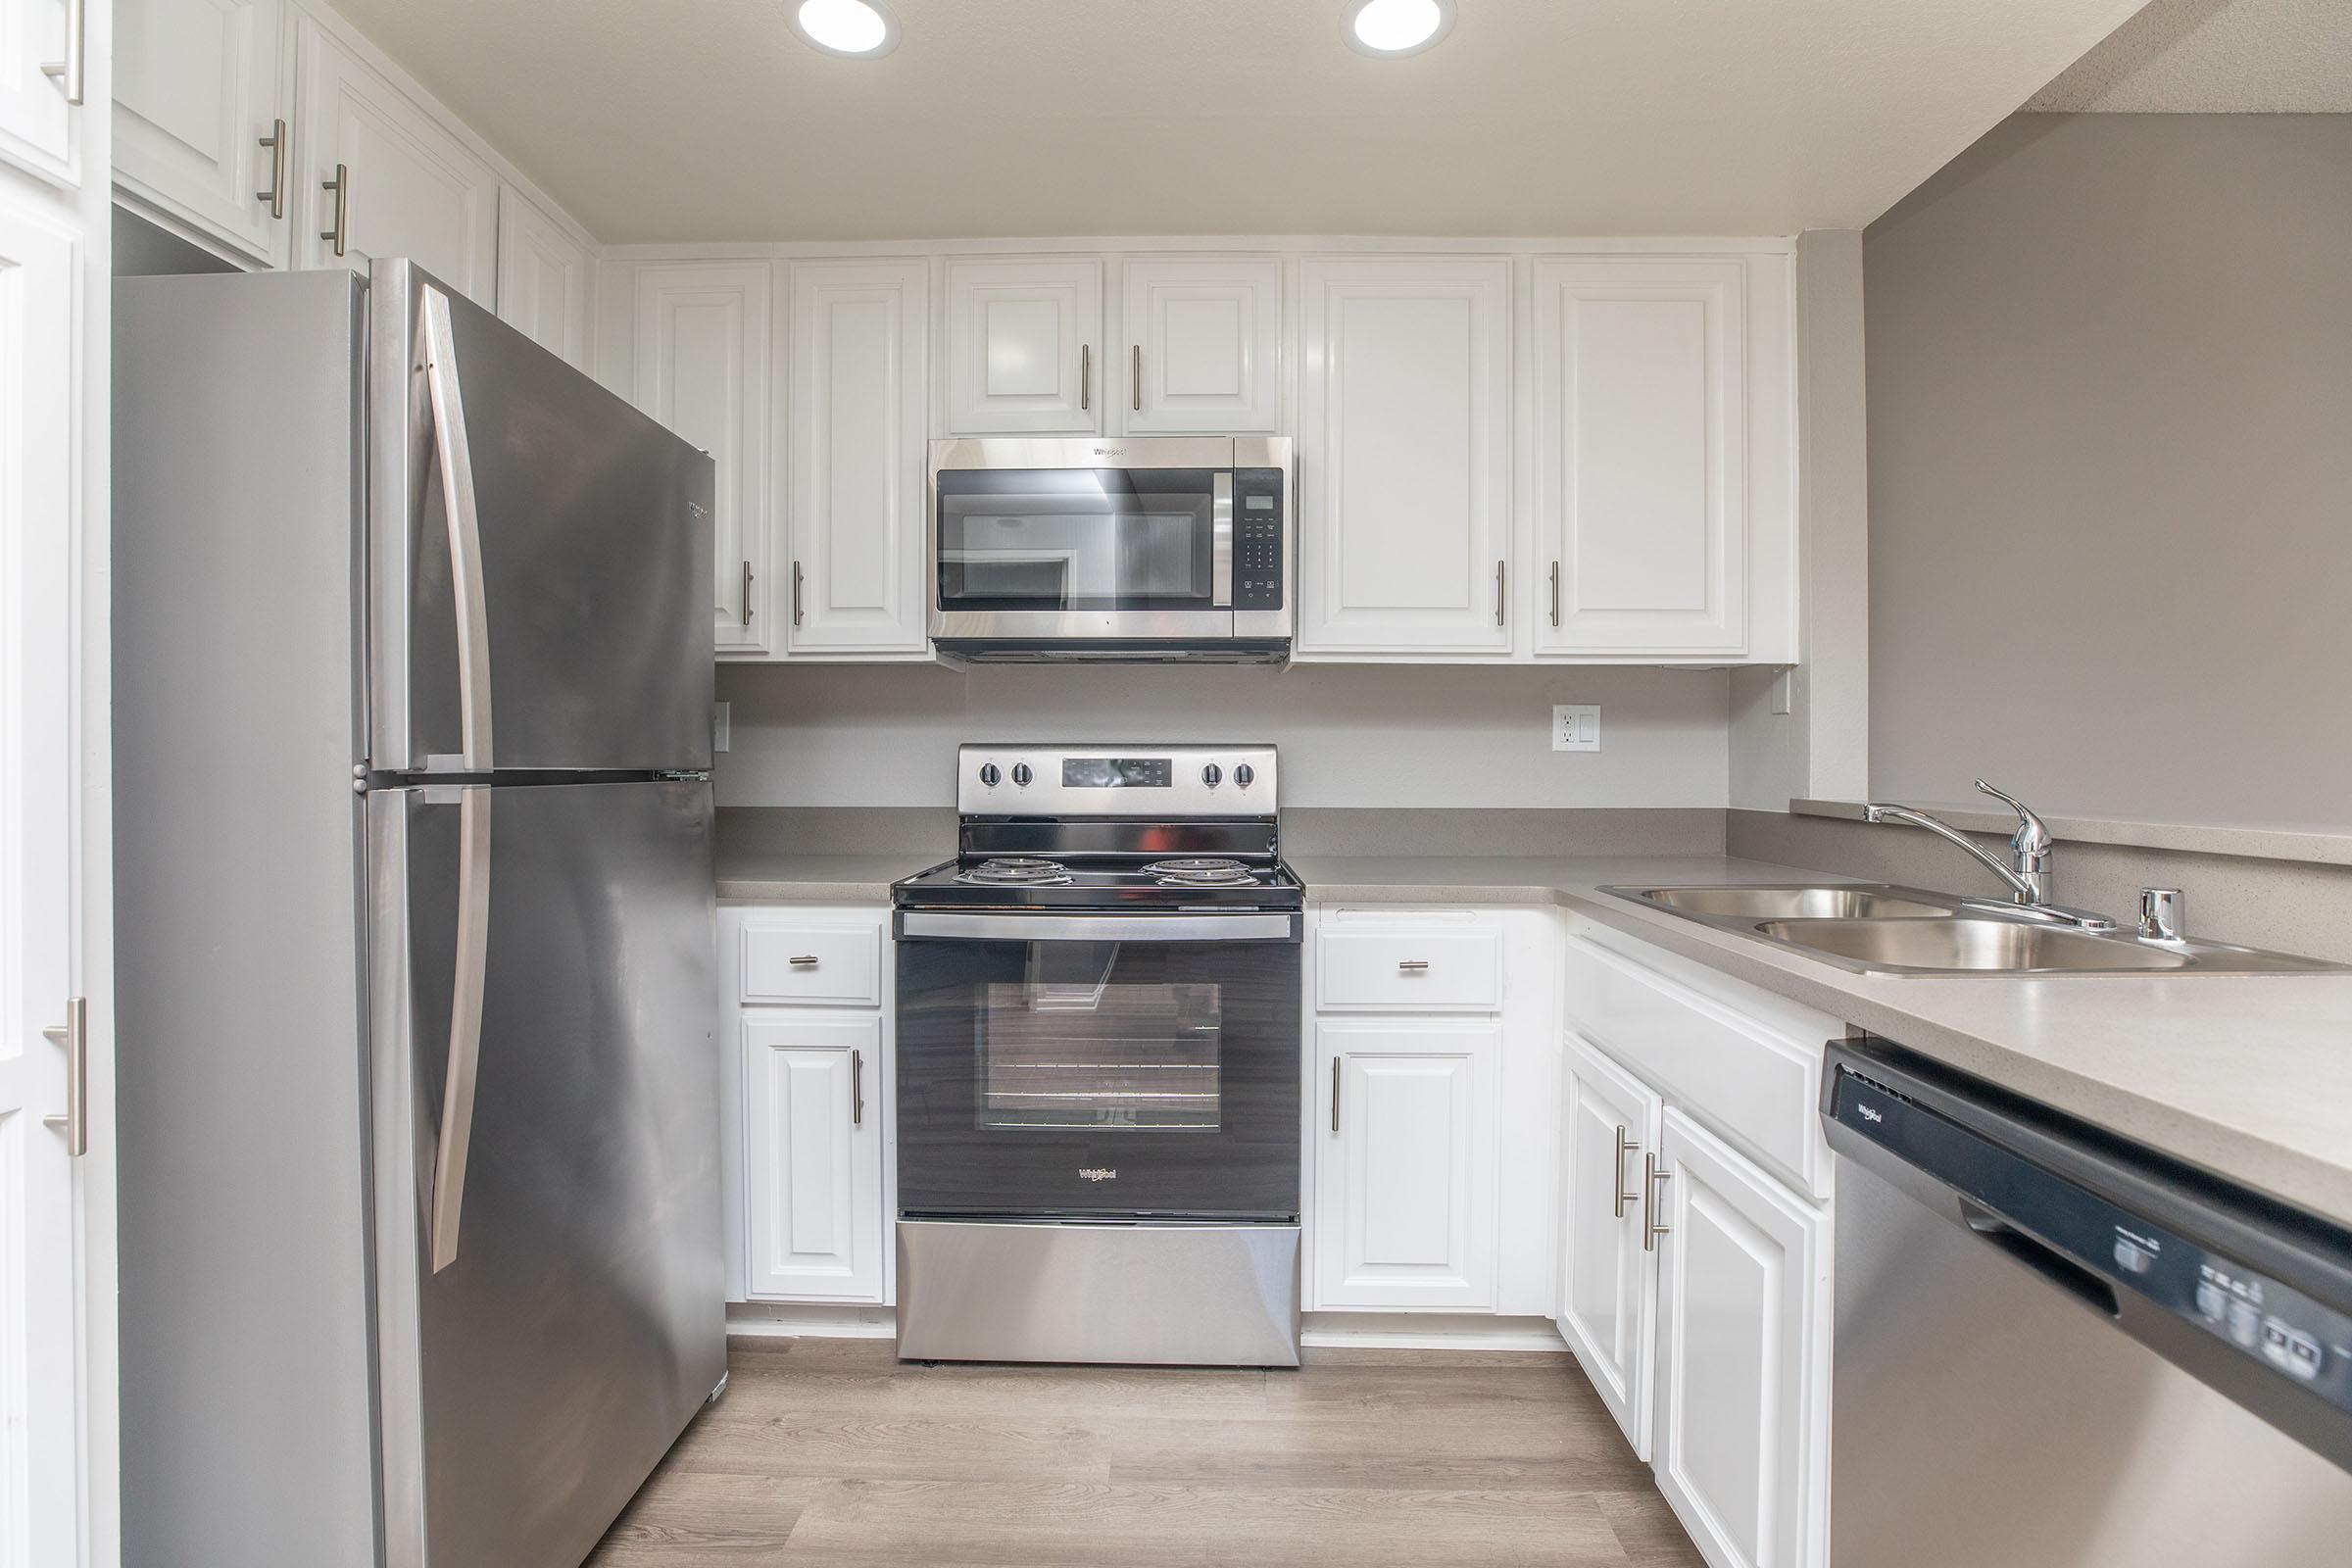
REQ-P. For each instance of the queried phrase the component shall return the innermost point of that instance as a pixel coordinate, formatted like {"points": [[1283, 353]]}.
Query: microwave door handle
{"points": [[1220, 539]]}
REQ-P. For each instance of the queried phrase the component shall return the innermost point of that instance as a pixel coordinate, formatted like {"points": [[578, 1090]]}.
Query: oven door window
{"points": [[1097, 1078], [1075, 539]]}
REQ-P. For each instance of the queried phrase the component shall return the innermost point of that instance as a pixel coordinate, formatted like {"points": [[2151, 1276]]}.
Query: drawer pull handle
{"points": [[1623, 1199], [807, 961], [1413, 965], [1654, 1177]]}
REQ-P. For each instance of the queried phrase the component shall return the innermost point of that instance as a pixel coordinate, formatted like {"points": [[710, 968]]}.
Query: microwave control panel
{"points": [[1258, 534]]}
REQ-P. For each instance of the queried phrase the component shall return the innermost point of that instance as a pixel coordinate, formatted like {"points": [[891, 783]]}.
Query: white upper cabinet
{"points": [[1608, 1286], [858, 391], [703, 368], [200, 128], [1405, 454], [383, 178], [37, 120], [1024, 347], [1204, 347], [1404, 1163], [543, 277], [1641, 455]]}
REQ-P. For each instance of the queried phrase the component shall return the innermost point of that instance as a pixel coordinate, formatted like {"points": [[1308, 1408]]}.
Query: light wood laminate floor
{"points": [[826, 1451]]}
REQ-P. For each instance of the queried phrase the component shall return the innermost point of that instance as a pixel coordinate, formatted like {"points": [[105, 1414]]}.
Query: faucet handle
{"points": [[2033, 836]]}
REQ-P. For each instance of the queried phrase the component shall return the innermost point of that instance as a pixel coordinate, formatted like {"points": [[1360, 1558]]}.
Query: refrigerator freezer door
{"points": [[566, 591], [577, 1321]]}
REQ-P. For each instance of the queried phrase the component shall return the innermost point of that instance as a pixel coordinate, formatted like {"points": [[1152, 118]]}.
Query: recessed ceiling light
{"points": [[1395, 27], [847, 26]]}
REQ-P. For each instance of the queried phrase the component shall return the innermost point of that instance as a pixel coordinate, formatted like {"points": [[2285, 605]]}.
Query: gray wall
{"points": [[1365, 735], [2110, 396]]}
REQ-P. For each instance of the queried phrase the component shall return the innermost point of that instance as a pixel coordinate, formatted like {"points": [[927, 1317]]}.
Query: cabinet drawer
{"points": [[1756, 1087], [1390, 971], [834, 965]]}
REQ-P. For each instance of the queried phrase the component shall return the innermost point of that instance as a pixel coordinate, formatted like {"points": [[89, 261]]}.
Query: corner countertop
{"points": [[2249, 1076], [762, 877]]}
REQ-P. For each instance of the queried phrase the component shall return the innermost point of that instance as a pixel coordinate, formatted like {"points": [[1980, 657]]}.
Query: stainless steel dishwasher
{"points": [[2059, 1349]]}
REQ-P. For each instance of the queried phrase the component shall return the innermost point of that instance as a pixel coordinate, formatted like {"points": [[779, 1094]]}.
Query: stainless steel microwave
{"points": [[1098, 549]]}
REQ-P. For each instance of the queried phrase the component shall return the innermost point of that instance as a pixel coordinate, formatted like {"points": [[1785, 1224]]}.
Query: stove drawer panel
{"points": [[833, 964], [1407, 969]]}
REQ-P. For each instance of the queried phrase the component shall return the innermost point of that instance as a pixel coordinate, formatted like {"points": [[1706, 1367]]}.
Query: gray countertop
{"points": [[2247, 1076]]}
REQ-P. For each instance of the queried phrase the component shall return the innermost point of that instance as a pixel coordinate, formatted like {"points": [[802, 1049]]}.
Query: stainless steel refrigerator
{"points": [[419, 1214]]}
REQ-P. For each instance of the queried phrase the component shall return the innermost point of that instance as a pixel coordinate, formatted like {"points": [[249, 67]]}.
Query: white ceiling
{"points": [[708, 119], [2216, 56]]}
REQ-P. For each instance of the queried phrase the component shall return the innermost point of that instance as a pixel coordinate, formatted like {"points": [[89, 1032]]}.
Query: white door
{"points": [[543, 277], [36, 123], [860, 381], [703, 356], [200, 124], [1405, 1136], [1203, 349], [40, 1432], [382, 177], [1024, 347], [1608, 1285], [1641, 455], [1741, 1446], [812, 1156], [1405, 407]]}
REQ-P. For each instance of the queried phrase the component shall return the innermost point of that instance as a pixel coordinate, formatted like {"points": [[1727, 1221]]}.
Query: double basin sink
{"points": [[1874, 928]]}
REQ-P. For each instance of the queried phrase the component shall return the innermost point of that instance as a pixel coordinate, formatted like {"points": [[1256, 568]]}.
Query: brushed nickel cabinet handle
{"points": [[1335, 1094], [340, 233], [1652, 1178], [805, 962], [276, 195], [74, 1035], [1135, 380], [1412, 963], [1555, 593], [1498, 593], [1086, 375], [856, 1089], [747, 593], [1623, 1200], [72, 71], [796, 593]]}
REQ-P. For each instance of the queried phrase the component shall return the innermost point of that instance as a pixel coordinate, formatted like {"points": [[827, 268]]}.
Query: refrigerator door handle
{"points": [[465, 1022], [465, 533]]}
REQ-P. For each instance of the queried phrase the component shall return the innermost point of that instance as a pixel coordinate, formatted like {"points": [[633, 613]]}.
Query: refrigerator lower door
{"points": [[544, 1071], [539, 570]]}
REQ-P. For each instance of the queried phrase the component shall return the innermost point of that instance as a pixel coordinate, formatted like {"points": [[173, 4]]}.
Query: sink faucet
{"points": [[2029, 879]]}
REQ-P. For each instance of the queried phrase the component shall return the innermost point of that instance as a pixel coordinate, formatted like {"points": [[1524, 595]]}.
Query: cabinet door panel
{"points": [[813, 1157], [1405, 411], [1203, 346], [1642, 487], [1743, 1362], [415, 189], [1405, 1188], [1024, 347], [702, 369], [543, 279], [859, 384], [1609, 1121], [36, 127], [196, 90]]}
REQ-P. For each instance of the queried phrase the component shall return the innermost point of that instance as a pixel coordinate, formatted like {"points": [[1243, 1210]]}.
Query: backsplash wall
{"points": [[1351, 735]]}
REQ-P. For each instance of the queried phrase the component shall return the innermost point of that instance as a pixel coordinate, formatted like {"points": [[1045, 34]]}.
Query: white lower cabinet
{"points": [[1405, 1164], [812, 1155], [1608, 1286], [1743, 1345]]}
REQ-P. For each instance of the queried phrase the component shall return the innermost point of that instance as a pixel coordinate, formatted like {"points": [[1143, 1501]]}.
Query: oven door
{"points": [[1099, 1066], [1040, 554]]}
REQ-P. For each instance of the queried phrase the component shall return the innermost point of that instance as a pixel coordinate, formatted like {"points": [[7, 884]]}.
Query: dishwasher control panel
{"points": [[2248, 1330]]}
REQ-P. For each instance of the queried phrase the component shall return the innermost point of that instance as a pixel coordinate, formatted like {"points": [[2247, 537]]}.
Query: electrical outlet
{"points": [[721, 724], [1576, 728], [1779, 691]]}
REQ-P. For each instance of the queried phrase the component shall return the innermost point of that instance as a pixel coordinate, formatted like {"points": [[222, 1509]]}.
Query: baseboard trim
{"points": [[1329, 1331], [793, 1320]]}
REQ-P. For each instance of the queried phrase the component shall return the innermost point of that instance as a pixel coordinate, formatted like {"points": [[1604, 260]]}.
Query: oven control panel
{"points": [[1115, 779]]}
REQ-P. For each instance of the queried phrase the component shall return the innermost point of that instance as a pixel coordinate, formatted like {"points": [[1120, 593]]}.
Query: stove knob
{"points": [[1244, 775], [1021, 774], [1212, 776], [989, 774]]}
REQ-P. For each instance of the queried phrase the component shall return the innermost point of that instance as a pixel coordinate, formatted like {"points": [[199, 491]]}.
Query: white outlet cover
{"points": [[721, 726], [1576, 728]]}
